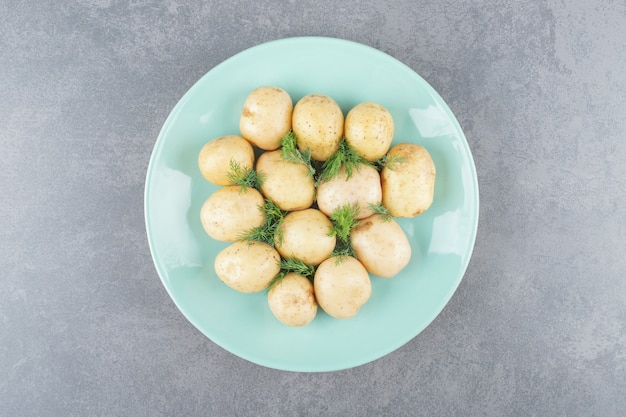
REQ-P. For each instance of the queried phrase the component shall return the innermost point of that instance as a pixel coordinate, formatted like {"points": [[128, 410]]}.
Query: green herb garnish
{"points": [[344, 220], [389, 161], [288, 265], [270, 230], [380, 209], [345, 157], [297, 266], [244, 177], [291, 153]]}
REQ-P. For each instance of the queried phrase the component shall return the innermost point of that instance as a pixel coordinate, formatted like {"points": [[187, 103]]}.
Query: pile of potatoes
{"points": [[293, 206]]}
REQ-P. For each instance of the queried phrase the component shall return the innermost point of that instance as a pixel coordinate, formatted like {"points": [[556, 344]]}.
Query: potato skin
{"points": [[216, 155], [230, 211], [266, 117], [292, 300], [288, 185], [247, 266], [363, 188], [305, 236], [342, 286], [381, 245], [409, 186], [317, 122], [369, 130]]}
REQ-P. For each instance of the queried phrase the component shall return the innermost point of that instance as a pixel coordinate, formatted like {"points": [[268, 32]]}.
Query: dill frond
{"points": [[345, 157], [288, 265], [380, 209], [266, 233], [297, 266], [244, 177], [342, 251], [291, 153], [344, 220], [389, 161]]}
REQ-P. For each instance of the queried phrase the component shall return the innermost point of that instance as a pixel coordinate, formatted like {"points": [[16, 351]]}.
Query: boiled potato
{"points": [[216, 156], [266, 117], [369, 130], [289, 185], [408, 186], [362, 188], [247, 266], [292, 300], [381, 245], [317, 122], [342, 286], [305, 235], [231, 211]]}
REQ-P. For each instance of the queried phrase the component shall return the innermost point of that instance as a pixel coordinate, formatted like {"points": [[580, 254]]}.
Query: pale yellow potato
{"points": [[304, 235], [292, 300], [216, 155], [317, 122], [247, 266], [266, 117], [342, 286], [369, 130], [231, 211], [289, 185], [408, 186], [362, 188], [381, 245]]}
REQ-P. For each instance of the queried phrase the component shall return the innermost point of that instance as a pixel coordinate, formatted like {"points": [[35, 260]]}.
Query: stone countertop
{"points": [[538, 324]]}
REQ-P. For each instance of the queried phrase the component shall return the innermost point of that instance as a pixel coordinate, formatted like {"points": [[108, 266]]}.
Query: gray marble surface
{"points": [[538, 324]]}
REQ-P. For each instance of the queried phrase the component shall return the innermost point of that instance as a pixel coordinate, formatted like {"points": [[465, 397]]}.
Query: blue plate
{"points": [[442, 239]]}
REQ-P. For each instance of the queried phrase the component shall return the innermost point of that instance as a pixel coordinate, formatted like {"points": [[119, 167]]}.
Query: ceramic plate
{"points": [[442, 239]]}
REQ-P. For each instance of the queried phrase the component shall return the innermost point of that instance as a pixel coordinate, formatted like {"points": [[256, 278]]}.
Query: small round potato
{"points": [[247, 266], [317, 122], [231, 211], [266, 117], [369, 130], [292, 300], [408, 186], [342, 286], [287, 184], [215, 157], [381, 245], [305, 235], [362, 188]]}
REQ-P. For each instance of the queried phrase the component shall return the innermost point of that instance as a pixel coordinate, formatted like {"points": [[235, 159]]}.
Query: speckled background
{"points": [[537, 326]]}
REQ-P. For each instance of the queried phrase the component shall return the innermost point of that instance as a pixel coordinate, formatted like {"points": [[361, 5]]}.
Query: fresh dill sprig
{"points": [[380, 209], [344, 220], [345, 157], [291, 153], [297, 266], [288, 265], [342, 251], [243, 176], [267, 232], [389, 161]]}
